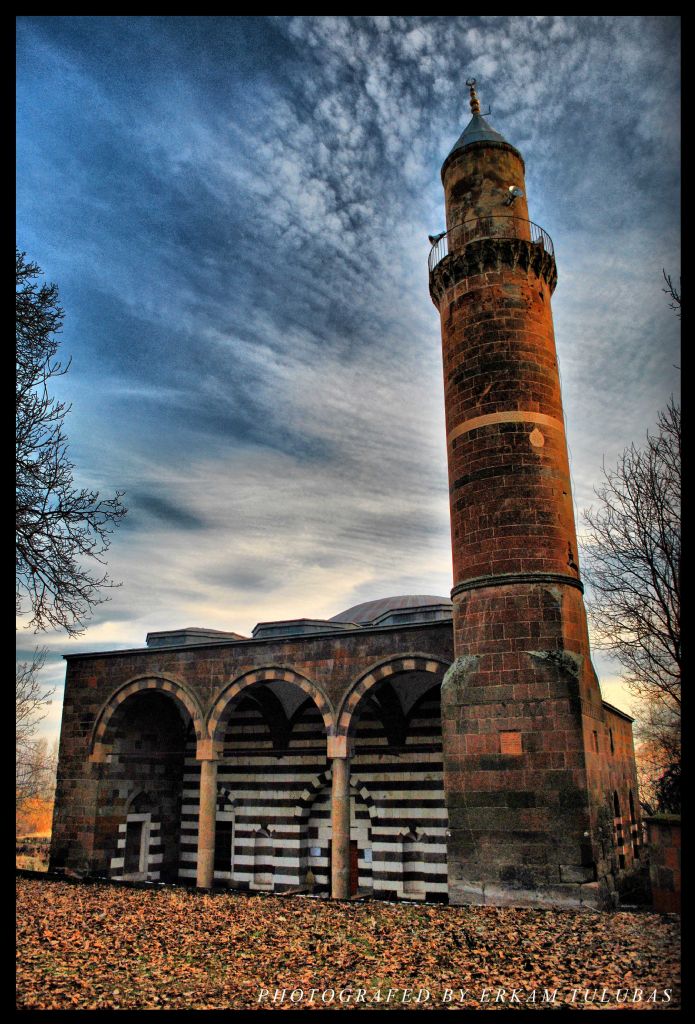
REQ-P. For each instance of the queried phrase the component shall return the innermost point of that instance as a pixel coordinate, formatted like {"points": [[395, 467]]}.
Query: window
{"points": [[634, 833]]}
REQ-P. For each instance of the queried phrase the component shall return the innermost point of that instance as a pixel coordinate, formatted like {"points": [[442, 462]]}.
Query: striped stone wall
{"points": [[274, 796]]}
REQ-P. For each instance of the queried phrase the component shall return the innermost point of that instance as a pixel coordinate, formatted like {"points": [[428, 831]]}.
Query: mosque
{"points": [[414, 747]]}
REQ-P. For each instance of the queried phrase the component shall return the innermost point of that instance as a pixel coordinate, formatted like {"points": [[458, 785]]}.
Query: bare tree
{"points": [[632, 562], [59, 526], [671, 290], [35, 762]]}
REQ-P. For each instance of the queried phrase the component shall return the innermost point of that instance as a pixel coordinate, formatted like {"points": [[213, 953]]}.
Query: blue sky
{"points": [[236, 213]]}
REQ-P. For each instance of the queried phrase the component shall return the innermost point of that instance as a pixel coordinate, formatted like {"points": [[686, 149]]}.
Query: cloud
{"points": [[237, 218], [162, 509]]}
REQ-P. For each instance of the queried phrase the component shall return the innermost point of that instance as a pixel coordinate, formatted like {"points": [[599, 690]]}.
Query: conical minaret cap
{"points": [[477, 130]]}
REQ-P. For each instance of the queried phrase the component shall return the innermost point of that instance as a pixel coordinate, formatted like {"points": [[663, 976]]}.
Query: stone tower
{"points": [[521, 704]]}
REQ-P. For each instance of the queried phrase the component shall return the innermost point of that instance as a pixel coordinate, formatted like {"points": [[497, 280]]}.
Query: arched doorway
{"points": [[139, 842], [411, 861], [317, 836]]}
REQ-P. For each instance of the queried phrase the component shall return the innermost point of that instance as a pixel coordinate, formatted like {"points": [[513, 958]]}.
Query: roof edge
{"points": [[623, 714], [326, 635]]}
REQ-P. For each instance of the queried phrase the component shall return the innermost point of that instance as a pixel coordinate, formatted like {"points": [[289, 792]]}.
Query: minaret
{"points": [[519, 701]]}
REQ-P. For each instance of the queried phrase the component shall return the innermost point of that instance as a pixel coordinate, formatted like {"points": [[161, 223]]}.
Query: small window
{"points": [[510, 742], [610, 734], [596, 741]]}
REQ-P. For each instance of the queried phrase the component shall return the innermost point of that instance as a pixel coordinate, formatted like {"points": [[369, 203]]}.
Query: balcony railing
{"points": [[494, 226]]}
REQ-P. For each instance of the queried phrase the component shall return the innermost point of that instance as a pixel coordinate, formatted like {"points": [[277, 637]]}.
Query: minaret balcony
{"points": [[494, 226]]}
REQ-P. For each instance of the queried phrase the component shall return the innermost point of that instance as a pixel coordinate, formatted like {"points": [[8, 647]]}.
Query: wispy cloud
{"points": [[236, 212]]}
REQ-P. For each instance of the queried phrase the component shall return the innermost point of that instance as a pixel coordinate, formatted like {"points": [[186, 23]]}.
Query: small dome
{"points": [[368, 612]]}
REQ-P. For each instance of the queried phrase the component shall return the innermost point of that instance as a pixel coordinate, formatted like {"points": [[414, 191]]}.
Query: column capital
{"points": [[340, 746], [207, 750]]}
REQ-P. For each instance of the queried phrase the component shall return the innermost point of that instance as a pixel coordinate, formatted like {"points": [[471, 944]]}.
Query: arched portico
{"points": [[314, 812]]}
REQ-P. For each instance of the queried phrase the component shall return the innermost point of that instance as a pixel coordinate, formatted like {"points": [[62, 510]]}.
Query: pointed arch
{"points": [[309, 794], [418, 662], [184, 699], [361, 790], [217, 716], [416, 708], [263, 857]]}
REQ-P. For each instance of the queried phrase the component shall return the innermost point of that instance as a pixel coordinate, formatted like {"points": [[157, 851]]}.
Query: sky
{"points": [[236, 211]]}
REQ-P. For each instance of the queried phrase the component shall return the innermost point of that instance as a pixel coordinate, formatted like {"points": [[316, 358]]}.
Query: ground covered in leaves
{"points": [[94, 946]]}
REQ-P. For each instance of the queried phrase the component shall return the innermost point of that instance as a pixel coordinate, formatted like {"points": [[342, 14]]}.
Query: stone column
{"points": [[207, 814], [340, 823]]}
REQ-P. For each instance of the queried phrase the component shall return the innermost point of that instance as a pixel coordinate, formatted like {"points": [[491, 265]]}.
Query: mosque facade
{"points": [[414, 747]]}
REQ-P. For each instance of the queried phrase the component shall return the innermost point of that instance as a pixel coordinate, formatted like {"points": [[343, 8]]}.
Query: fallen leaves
{"points": [[94, 946]]}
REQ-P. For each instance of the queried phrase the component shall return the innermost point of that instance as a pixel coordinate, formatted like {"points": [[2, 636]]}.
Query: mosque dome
{"points": [[391, 611]]}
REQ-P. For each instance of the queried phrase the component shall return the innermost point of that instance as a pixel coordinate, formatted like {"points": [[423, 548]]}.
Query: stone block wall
{"points": [[664, 837], [515, 779], [616, 827]]}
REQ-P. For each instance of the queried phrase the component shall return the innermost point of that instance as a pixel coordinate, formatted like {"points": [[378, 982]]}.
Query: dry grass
{"points": [[28, 863]]}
